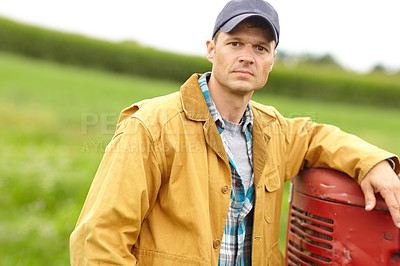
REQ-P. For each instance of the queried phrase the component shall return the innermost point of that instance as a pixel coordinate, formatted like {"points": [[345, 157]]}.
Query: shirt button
{"points": [[238, 183], [216, 243], [225, 189]]}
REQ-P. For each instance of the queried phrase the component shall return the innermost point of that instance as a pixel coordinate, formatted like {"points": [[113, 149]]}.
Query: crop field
{"points": [[55, 122]]}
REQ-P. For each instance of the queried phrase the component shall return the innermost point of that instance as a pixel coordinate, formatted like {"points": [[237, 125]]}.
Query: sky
{"points": [[359, 34]]}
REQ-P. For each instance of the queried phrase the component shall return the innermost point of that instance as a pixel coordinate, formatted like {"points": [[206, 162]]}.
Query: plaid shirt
{"points": [[236, 242]]}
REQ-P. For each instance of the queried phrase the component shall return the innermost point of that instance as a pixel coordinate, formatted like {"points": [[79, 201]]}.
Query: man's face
{"points": [[242, 59]]}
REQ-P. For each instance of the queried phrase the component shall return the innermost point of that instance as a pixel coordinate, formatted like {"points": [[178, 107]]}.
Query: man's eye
{"points": [[261, 49], [235, 44]]}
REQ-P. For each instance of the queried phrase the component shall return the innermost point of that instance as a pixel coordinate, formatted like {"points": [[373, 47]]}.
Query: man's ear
{"points": [[210, 50], [272, 65]]}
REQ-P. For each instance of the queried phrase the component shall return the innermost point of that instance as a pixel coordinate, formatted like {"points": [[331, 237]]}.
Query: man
{"points": [[196, 177]]}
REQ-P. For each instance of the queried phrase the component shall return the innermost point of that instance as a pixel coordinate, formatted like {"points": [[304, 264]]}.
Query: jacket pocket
{"points": [[272, 184], [272, 180], [276, 257], [155, 258]]}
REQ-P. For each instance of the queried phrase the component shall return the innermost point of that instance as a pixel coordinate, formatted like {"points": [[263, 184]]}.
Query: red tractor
{"points": [[328, 224]]}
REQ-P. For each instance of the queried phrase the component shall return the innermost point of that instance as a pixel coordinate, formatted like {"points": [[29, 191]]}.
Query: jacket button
{"points": [[216, 243], [225, 189]]}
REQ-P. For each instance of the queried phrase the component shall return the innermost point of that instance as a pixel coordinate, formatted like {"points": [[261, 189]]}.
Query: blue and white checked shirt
{"points": [[237, 240]]}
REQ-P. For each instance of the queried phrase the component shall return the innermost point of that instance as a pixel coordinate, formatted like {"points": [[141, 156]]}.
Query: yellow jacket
{"points": [[161, 194]]}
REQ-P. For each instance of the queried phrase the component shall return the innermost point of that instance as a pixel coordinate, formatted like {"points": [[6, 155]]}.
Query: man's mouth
{"points": [[243, 72]]}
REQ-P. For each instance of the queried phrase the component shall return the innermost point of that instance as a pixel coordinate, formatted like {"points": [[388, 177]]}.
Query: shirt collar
{"points": [[247, 116]]}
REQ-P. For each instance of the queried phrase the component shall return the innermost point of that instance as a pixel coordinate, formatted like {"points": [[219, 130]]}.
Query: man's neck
{"points": [[230, 105]]}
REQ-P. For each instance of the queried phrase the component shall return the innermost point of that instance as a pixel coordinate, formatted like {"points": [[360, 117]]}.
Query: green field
{"points": [[55, 123]]}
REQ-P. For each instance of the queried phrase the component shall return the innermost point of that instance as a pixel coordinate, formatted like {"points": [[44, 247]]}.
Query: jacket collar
{"points": [[195, 107], [263, 117], [193, 102]]}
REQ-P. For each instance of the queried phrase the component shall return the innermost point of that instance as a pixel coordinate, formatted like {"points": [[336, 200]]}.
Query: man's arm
{"points": [[122, 193], [313, 145], [382, 179], [327, 146]]}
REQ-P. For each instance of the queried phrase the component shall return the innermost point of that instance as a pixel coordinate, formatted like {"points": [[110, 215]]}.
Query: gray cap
{"points": [[235, 11]]}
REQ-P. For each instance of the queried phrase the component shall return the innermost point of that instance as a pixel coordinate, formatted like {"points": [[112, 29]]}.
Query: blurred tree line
{"points": [[307, 76]]}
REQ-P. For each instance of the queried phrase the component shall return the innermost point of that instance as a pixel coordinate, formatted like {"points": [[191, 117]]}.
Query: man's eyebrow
{"points": [[264, 43], [238, 39], [233, 38]]}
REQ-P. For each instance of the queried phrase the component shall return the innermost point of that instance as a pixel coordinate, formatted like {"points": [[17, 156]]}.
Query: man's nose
{"points": [[247, 55]]}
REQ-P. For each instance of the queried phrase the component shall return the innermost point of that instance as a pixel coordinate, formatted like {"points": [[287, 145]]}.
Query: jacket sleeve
{"points": [[122, 193], [318, 145]]}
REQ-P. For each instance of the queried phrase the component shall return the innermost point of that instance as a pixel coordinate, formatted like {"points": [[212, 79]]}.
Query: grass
{"points": [[55, 123]]}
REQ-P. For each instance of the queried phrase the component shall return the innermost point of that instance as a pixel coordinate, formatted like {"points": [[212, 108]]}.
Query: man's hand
{"points": [[381, 178]]}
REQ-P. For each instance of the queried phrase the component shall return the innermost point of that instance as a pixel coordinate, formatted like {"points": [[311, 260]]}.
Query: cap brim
{"points": [[231, 24]]}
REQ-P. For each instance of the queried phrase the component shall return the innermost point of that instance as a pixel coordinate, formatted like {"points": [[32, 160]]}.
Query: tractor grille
{"points": [[309, 239]]}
